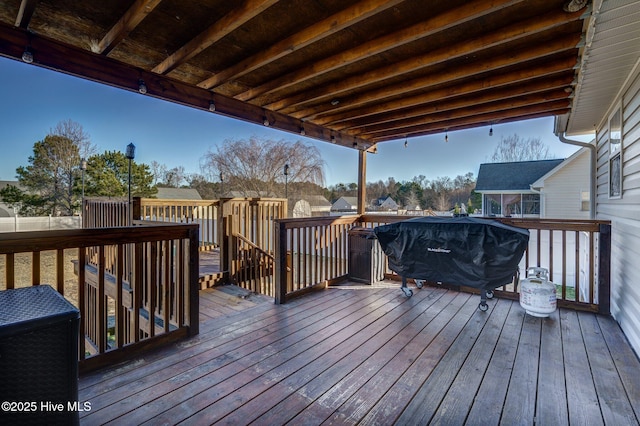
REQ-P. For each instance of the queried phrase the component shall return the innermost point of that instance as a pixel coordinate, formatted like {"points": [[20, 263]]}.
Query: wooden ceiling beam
{"points": [[540, 87], [537, 52], [331, 25], [463, 49], [526, 113], [446, 20], [71, 60], [25, 12], [231, 21], [466, 109], [361, 116], [139, 10]]}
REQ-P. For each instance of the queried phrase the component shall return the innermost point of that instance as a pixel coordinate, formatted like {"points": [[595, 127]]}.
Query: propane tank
{"points": [[537, 293]]}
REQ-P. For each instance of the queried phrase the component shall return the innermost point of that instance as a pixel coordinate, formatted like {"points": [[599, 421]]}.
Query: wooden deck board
{"points": [[486, 409], [582, 399], [551, 382], [372, 356]]}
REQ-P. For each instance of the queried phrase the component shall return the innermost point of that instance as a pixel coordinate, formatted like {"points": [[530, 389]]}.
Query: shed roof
{"points": [[353, 72], [316, 200], [518, 175], [178, 194]]}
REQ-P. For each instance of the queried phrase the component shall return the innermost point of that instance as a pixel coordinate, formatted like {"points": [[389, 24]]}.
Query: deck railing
{"points": [[247, 247], [313, 252], [241, 228], [310, 252], [206, 213], [123, 309]]}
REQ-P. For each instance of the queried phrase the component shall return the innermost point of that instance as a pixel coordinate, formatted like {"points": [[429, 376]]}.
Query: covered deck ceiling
{"points": [[350, 72]]}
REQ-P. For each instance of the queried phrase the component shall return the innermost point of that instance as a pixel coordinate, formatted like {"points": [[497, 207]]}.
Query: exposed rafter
{"points": [[315, 33], [132, 17], [544, 75], [232, 21], [447, 19]]}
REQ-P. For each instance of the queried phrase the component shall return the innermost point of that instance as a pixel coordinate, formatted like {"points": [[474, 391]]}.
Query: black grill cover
{"points": [[479, 253]]}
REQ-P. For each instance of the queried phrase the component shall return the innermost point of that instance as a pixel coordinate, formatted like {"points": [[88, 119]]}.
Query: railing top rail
{"points": [[172, 202], [21, 242], [318, 221], [386, 218], [252, 199], [587, 225]]}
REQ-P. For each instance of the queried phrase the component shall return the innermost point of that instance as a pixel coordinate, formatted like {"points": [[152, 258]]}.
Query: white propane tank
{"points": [[537, 293]]}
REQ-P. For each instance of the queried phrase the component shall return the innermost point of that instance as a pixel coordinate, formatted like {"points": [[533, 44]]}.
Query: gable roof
{"points": [[539, 183], [342, 203], [316, 200], [518, 175], [178, 194]]}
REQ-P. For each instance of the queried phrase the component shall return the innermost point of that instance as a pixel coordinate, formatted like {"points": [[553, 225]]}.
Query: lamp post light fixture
{"points": [[130, 153], [221, 185], [286, 181]]}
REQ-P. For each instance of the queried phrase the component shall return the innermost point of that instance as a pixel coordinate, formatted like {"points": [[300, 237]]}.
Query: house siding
{"points": [[624, 212], [561, 195]]}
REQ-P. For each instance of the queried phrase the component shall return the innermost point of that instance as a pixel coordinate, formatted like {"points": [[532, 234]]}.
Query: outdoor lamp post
{"points": [[221, 185], [130, 154], [286, 181]]}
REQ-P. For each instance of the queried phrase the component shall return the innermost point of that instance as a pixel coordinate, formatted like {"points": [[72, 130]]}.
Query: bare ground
{"points": [[23, 263]]}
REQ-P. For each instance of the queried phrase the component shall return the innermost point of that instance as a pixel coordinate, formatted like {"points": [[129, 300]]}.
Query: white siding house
{"points": [[506, 187], [607, 101], [345, 205], [564, 191]]}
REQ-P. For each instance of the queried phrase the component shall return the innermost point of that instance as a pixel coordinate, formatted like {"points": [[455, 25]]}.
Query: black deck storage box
{"points": [[366, 259], [38, 357]]}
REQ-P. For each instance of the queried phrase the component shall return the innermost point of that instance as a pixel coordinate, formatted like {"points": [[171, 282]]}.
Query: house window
{"points": [[531, 204], [584, 201], [615, 154], [492, 205]]}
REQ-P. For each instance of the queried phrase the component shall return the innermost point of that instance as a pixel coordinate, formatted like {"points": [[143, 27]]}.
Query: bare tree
{"points": [[513, 148], [175, 177], [158, 171], [256, 166], [74, 131]]}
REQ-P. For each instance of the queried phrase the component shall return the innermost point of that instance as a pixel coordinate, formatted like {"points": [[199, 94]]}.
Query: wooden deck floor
{"points": [[372, 356]]}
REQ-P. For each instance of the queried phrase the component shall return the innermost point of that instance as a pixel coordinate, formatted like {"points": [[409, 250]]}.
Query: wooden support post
{"points": [[362, 180], [194, 284], [137, 209], [280, 278]]}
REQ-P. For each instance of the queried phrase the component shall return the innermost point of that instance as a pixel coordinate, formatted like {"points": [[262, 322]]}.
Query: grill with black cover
{"points": [[469, 251]]}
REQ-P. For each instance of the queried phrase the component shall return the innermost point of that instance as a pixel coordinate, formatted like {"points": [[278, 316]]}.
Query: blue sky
{"points": [[33, 100]]}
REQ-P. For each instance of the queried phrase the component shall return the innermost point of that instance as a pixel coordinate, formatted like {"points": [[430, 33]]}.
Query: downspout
{"points": [[592, 172]]}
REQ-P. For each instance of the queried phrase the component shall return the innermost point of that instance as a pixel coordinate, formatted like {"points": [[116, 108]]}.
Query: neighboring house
{"points": [[345, 204], [564, 190], [506, 187], [178, 194], [606, 104], [412, 210], [385, 204], [312, 205]]}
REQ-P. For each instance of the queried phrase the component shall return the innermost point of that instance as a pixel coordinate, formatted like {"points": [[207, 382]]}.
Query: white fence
{"points": [[44, 223]]}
